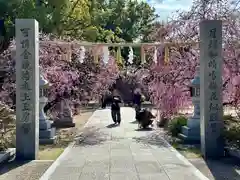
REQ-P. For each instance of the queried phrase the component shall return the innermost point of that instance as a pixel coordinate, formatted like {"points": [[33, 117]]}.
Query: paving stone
{"points": [[148, 167], [168, 162], [73, 162], [154, 176], [94, 176], [121, 153], [68, 170], [122, 165], [124, 176], [136, 146], [69, 176], [120, 145], [126, 159], [95, 152], [78, 157], [71, 165], [96, 166], [157, 149], [99, 157], [182, 174], [174, 166], [142, 153], [123, 170], [144, 157]]}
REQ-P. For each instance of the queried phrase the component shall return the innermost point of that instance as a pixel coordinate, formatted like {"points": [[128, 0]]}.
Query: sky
{"points": [[166, 7]]}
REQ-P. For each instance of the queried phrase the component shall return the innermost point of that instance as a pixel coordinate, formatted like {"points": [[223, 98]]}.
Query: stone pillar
{"points": [[212, 144], [27, 89], [46, 131], [191, 132]]}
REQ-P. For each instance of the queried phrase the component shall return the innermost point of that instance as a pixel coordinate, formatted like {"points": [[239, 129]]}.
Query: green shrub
{"points": [[231, 131], [176, 124], [228, 117], [232, 134]]}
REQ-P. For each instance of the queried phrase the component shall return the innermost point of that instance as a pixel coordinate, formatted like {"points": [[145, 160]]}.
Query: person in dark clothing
{"points": [[137, 98], [115, 109], [106, 99], [137, 101], [103, 102], [144, 118]]}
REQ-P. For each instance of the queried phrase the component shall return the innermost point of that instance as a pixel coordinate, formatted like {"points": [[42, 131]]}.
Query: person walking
{"points": [[137, 101], [115, 109]]}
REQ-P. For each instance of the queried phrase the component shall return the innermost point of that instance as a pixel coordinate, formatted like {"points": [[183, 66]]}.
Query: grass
{"points": [[189, 152], [50, 153], [171, 135], [64, 138]]}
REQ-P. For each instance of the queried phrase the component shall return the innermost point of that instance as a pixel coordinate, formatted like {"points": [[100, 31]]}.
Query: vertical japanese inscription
{"points": [[25, 87], [213, 85]]}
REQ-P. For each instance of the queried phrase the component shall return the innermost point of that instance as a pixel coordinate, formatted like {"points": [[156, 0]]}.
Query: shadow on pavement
{"points": [[145, 129], [134, 122], [225, 168], [113, 125], [91, 136], [152, 139], [10, 165], [22, 170]]}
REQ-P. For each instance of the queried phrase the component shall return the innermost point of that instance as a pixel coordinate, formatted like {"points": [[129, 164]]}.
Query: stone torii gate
{"points": [[27, 86]]}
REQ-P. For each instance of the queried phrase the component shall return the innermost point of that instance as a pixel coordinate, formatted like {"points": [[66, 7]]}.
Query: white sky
{"points": [[166, 7]]}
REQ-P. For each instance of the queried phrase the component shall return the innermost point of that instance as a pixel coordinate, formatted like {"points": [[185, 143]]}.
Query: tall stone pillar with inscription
{"points": [[191, 132], [47, 133], [212, 144], [27, 89]]}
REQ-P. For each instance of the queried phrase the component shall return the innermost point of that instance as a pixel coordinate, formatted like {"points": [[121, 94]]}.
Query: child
{"points": [[115, 109]]}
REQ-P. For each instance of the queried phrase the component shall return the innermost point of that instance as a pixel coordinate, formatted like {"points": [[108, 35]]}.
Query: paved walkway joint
{"points": [[105, 152]]}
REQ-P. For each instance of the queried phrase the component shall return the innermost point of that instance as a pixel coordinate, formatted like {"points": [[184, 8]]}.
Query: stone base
{"points": [[63, 124], [48, 133], [189, 139], [233, 152], [48, 140], [6, 155], [45, 124], [190, 135]]}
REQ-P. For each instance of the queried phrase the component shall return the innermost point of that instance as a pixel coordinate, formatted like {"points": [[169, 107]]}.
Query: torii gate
{"points": [[27, 53]]}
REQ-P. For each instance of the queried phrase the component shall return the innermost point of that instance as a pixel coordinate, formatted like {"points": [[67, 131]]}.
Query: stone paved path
{"points": [[103, 152]]}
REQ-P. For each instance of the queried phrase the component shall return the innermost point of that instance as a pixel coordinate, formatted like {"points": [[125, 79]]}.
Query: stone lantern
{"points": [[46, 131], [191, 132]]}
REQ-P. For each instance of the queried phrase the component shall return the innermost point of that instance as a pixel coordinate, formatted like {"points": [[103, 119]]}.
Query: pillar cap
{"points": [[195, 81], [42, 81]]}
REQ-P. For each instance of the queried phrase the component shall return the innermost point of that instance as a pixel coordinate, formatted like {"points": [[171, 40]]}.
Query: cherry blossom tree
{"points": [[106, 78], [59, 64], [168, 84]]}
